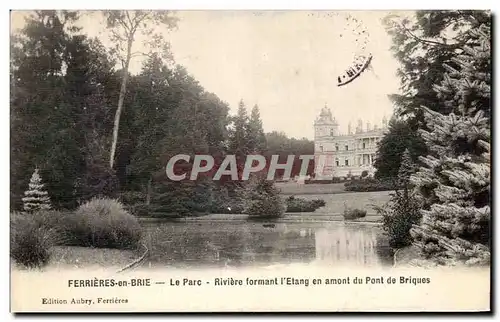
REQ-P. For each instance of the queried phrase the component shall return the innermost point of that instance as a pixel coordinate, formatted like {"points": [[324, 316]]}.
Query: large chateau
{"points": [[344, 154]]}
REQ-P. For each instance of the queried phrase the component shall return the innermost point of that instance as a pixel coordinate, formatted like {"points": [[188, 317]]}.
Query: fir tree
{"points": [[455, 178], [238, 139], [36, 198], [255, 132], [262, 198], [405, 169], [402, 210]]}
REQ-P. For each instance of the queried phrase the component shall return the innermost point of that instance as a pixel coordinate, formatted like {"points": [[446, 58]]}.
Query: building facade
{"points": [[343, 155]]}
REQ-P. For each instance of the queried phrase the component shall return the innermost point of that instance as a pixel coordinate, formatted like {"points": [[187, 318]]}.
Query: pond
{"points": [[256, 244]]}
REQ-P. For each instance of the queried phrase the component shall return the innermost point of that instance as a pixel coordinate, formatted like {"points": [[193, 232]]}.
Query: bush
{"points": [[398, 217], [262, 199], [132, 197], [370, 184], [183, 198], [302, 205], [354, 213], [324, 181], [30, 242], [364, 174], [403, 209], [141, 210], [318, 203], [102, 223], [234, 206]]}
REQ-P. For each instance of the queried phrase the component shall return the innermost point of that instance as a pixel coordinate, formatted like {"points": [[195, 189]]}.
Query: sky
{"points": [[287, 62]]}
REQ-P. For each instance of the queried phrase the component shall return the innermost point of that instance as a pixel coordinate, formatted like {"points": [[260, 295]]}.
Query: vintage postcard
{"points": [[250, 161]]}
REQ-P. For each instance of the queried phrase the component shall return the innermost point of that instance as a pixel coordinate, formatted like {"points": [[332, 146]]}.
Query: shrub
{"points": [[302, 205], [324, 181], [183, 198], [262, 199], [398, 217], [223, 203], [30, 242], [369, 184], [364, 174], [235, 206], [132, 197], [403, 209], [318, 203], [36, 197], [353, 213], [140, 209], [102, 223]]}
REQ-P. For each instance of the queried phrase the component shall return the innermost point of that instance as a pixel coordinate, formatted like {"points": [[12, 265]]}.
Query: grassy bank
{"points": [[292, 188]]}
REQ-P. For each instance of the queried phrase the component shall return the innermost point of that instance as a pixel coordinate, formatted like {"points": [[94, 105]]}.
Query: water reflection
{"points": [[352, 245], [196, 244]]}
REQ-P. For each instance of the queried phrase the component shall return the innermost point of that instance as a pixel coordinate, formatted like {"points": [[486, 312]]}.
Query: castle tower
{"points": [[326, 125], [349, 128]]}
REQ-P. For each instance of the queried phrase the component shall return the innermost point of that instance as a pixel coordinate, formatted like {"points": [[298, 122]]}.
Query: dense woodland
{"points": [[65, 91]]}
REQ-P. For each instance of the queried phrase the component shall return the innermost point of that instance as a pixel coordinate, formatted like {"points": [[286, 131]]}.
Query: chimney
{"points": [[359, 128]]}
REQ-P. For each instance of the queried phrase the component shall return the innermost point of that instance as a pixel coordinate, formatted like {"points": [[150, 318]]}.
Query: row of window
{"points": [[337, 147]]}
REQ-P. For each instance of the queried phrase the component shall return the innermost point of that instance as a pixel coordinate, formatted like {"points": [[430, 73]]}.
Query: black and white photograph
{"points": [[270, 158]]}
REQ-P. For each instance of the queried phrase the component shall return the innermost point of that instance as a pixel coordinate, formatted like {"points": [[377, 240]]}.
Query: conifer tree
{"points": [[262, 198], [238, 138], [405, 169], [255, 132], [36, 198], [402, 210], [455, 178]]}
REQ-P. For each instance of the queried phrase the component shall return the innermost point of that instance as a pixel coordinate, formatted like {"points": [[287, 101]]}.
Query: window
{"points": [[336, 147], [364, 145], [346, 162], [331, 132], [321, 148], [347, 148], [337, 162]]}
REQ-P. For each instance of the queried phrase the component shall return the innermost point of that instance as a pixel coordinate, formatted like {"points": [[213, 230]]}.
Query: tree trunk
{"points": [[148, 194], [119, 109]]}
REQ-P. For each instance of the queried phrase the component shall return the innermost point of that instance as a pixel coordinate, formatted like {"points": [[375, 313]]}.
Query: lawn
{"points": [[293, 188], [67, 257], [361, 200]]}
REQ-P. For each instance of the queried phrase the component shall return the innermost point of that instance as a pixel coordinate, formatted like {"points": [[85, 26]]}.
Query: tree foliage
{"points": [[64, 91], [455, 178], [124, 27], [403, 209], [422, 44], [399, 137], [36, 197]]}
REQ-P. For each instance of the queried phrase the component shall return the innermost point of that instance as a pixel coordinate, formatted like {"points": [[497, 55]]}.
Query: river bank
{"points": [[288, 217]]}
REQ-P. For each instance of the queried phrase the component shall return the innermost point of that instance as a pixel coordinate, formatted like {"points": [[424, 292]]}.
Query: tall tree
{"points": [[401, 135], [278, 143], [238, 144], [255, 132], [91, 86], [401, 212], [125, 26], [422, 43], [455, 181], [41, 119]]}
